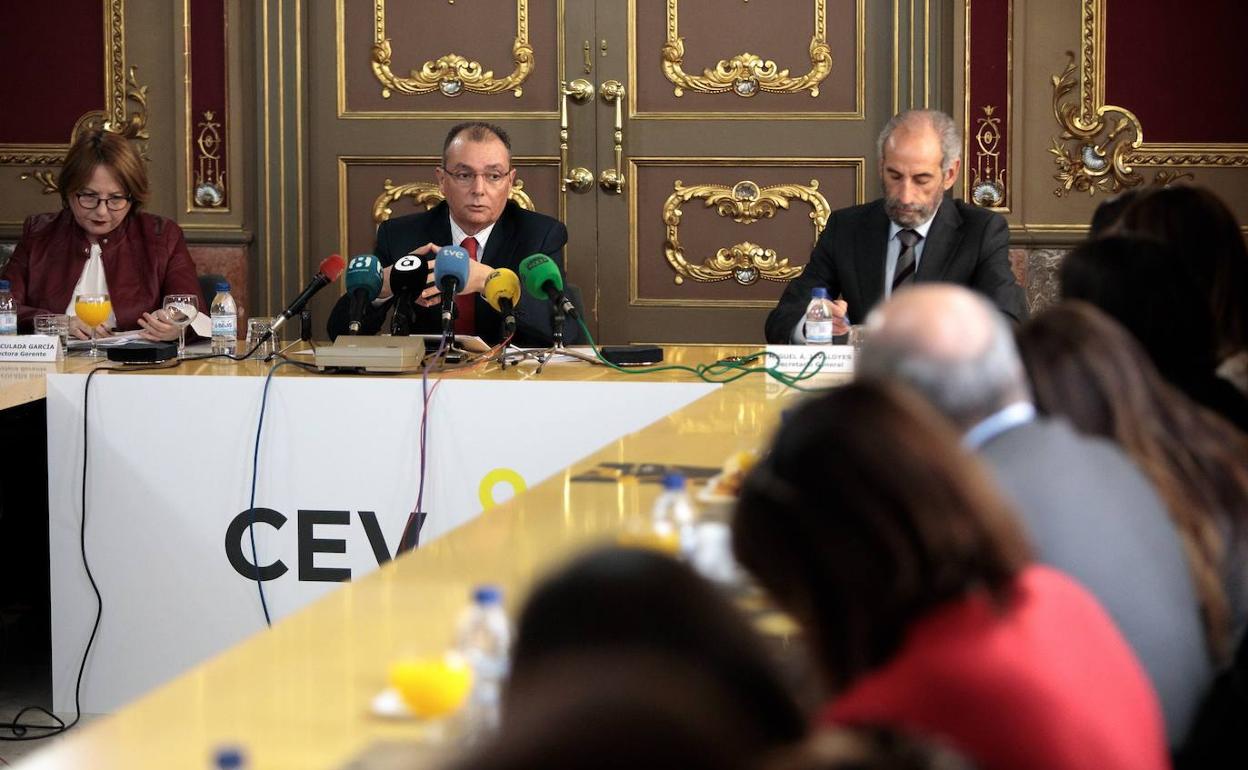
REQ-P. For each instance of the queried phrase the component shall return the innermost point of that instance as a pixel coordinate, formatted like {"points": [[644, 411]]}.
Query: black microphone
{"points": [[408, 277], [330, 268]]}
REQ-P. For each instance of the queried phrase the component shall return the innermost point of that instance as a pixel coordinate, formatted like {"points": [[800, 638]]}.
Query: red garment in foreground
{"points": [[1047, 683]]}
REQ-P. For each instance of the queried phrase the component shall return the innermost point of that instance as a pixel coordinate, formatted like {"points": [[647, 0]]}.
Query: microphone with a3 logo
{"points": [[502, 291], [408, 278], [363, 286]]}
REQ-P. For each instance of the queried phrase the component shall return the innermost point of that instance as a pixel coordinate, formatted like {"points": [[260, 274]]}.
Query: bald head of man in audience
{"points": [[951, 345]]}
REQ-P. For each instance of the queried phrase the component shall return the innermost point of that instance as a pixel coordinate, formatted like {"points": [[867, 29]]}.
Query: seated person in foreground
{"points": [[916, 587], [911, 235], [101, 242], [475, 179]]}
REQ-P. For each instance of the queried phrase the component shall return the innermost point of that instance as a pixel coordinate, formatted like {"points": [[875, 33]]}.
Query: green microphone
{"points": [[542, 278]]}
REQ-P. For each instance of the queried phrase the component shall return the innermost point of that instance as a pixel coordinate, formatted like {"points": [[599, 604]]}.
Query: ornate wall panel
{"points": [[400, 59], [207, 106], [777, 59], [728, 231], [372, 189], [988, 103]]}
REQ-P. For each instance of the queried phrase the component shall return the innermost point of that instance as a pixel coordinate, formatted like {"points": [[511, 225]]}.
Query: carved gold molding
{"points": [[1100, 144], [746, 74], [745, 203], [988, 184], [428, 194], [209, 179], [452, 74]]}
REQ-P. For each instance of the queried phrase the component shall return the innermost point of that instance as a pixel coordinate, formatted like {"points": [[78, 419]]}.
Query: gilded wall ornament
{"points": [[428, 195], [745, 203], [209, 181], [746, 74], [452, 74], [988, 184]]}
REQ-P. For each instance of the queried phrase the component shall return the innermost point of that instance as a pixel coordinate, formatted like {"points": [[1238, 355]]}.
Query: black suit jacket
{"points": [[517, 234], [965, 245]]}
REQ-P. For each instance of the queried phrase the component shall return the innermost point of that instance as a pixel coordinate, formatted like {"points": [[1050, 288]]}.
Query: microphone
{"points": [[330, 268], [502, 291], [408, 277], [542, 279], [450, 273], [363, 286]]}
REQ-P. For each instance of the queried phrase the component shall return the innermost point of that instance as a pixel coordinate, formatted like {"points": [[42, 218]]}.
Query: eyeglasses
{"points": [[91, 201], [465, 178]]}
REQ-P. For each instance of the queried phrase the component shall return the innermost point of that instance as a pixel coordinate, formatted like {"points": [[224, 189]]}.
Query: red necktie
{"points": [[466, 304]]}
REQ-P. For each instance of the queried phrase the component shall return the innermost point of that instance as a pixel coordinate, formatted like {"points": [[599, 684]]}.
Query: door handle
{"points": [[612, 179], [577, 179]]}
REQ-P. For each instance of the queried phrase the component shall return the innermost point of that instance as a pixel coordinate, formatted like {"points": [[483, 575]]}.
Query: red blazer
{"points": [[144, 259], [1046, 683]]}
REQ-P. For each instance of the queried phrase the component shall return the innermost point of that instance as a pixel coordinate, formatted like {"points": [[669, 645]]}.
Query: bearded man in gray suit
{"points": [[1088, 509]]}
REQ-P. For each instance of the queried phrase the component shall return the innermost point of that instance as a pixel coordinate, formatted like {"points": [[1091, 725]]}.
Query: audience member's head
{"points": [[914, 522], [617, 710], [1199, 226], [868, 748], [638, 601], [1088, 369], [951, 345], [1108, 215]]}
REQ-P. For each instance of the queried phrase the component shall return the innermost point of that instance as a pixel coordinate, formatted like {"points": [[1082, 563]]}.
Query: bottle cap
{"points": [[487, 594], [818, 293], [673, 482], [229, 757], [4, 285], [223, 286]]}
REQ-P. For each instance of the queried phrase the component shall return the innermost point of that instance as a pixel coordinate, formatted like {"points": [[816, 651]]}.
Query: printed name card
{"points": [[837, 359], [30, 347]]}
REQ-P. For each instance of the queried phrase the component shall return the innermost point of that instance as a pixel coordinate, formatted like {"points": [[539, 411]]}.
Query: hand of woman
{"points": [[80, 330], [155, 327]]}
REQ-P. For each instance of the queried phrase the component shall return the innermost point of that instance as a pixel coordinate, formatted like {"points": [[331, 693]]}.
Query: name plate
{"points": [[30, 347], [838, 359]]}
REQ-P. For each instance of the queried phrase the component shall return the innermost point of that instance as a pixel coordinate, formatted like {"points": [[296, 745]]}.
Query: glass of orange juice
{"points": [[94, 310]]}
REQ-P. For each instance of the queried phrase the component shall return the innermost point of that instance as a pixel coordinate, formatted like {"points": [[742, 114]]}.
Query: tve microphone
{"points": [[502, 291], [363, 286], [450, 273], [330, 268], [408, 277], [543, 280]]}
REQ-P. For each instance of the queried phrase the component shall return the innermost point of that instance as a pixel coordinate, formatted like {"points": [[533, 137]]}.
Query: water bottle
{"points": [[8, 311], [673, 516], [224, 320], [819, 318], [483, 638]]}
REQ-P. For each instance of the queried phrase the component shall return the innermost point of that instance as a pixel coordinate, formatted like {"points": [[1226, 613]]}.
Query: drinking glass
{"points": [[257, 327], [54, 324], [94, 310], [180, 310]]}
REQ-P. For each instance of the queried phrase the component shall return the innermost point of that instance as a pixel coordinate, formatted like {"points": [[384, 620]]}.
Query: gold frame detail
{"points": [[428, 195], [208, 183], [1100, 144], [452, 74], [746, 203], [988, 187], [746, 74]]}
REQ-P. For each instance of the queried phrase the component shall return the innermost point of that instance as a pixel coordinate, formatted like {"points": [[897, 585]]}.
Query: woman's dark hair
{"points": [[864, 747], [1088, 369], [1108, 214], [1203, 230], [639, 601], [867, 514], [100, 147]]}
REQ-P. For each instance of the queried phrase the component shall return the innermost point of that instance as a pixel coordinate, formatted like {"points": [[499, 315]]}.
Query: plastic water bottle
{"points": [[8, 311], [819, 318], [483, 637], [224, 320], [673, 516]]}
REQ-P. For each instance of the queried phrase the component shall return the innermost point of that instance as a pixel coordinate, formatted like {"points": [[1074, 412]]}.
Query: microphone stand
{"points": [[543, 356]]}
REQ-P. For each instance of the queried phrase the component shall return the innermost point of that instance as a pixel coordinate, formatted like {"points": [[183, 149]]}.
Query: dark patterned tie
{"points": [[904, 272], [466, 304]]}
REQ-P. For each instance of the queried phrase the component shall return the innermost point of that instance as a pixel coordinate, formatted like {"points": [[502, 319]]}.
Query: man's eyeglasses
{"points": [[91, 201], [465, 178]]}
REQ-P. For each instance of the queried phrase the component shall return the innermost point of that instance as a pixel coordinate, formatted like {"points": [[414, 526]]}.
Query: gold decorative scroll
{"points": [[1100, 144], [209, 178], [988, 184], [746, 74], [428, 195], [452, 74], [745, 203]]}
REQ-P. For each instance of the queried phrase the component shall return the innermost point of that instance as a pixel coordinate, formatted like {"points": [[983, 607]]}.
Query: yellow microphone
{"points": [[502, 291]]}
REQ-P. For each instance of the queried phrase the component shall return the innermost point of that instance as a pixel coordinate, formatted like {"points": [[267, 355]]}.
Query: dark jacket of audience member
{"points": [[1143, 285], [637, 601], [905, 566]]}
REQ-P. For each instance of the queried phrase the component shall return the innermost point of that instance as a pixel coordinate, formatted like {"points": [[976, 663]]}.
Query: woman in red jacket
{"points": [[100, 242], [916, 588]]}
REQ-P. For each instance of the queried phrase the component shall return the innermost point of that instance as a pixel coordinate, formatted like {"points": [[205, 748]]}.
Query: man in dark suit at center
{"points": [[475, 179], [911, 235]]}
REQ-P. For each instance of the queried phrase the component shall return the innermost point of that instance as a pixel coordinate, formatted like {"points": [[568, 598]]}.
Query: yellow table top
{"points": [[297, 695]]}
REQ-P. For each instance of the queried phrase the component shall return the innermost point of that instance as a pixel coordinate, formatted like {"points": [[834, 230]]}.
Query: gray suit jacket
{"points": [[1093, 515], [965, 245]]}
